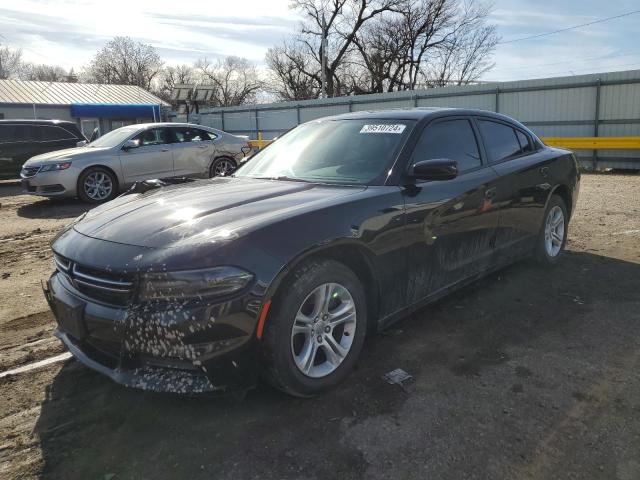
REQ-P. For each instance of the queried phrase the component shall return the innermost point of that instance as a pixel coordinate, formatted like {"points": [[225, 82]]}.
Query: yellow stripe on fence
{"points": [[594, 143], [571, 143], [259, 143]]}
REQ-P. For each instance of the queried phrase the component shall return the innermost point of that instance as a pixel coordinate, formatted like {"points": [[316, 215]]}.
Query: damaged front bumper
{"points": [[188, 348]]}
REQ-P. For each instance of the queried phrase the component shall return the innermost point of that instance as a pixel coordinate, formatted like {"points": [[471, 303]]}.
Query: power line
{"points": [[566, 72], [565, 62], [569, 28]]}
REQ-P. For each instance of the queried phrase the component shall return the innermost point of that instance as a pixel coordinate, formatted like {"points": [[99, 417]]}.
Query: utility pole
{"points": [[323, 55]]}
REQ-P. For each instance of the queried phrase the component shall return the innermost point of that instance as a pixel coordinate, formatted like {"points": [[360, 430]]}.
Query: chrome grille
{"points": [[28, 172], [99, 284]]}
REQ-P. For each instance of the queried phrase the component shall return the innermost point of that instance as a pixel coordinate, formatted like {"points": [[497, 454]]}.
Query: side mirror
{"points": [[81, 143], [129, 144], [438, 169]]}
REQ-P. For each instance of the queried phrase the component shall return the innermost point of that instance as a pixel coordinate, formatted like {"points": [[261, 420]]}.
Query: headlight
{"points": [[186, 284], [53, 167]]}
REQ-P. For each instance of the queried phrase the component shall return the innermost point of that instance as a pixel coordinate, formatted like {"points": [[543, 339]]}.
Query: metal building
{"points": [[594, 105], [105, 107]]}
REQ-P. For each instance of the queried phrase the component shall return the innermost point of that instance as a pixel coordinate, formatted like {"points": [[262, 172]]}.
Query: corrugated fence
{"points": [[594, 105]]}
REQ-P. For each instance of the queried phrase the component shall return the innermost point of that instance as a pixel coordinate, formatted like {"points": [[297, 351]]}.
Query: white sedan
{"points": [[98, 171]]}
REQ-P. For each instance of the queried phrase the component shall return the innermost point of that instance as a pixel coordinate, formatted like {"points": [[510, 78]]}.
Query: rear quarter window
{"points": [[525, 143]]}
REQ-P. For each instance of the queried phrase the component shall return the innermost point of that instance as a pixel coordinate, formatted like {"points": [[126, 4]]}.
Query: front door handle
{"points": [[490, 193], [544, 171], [202, 146], [164, 150]]}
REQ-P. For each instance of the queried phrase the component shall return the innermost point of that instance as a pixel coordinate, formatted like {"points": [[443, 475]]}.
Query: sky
{"points": [[69, 32]]}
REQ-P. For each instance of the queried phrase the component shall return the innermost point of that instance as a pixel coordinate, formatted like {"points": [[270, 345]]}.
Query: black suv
{"points": [[22, 139]]}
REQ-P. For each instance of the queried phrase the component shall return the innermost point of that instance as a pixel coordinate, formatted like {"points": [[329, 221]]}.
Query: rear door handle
{"points": [[202, 146], [490, 193], [544, 171], [164, 150]]}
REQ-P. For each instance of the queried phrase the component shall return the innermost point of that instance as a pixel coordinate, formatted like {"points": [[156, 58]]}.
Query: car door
{"points": [[450, 224], [193, 150], [151, 158], [522, 186], [17, 145]]}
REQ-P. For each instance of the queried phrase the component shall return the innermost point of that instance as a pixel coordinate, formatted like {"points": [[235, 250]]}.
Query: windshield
{"points": [[332, 151], [113, 138]]}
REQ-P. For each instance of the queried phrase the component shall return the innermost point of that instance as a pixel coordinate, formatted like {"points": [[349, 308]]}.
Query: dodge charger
{"points": [[281, 269]]}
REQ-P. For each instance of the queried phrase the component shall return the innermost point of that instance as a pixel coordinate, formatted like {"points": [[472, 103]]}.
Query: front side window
{"points": [[54, 133], [186, 135], [500, 140], [153, 136], [332, 151], [113, 138], [450, 139]]}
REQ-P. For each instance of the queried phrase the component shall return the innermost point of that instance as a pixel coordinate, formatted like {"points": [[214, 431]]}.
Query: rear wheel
{"points": [[221, 167], [316, 330], [553, 234], [97, 185]]}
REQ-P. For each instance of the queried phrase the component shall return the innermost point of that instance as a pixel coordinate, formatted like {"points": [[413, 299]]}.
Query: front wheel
{"points": [[315, 330], [221, 167], [553, 234], [97, 185]]}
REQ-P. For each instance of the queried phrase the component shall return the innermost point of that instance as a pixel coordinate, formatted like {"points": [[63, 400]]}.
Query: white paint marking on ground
{"points": [[32, 366]]}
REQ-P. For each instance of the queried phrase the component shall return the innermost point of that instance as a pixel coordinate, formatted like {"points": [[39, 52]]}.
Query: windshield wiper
{"points": [[283, 177]]}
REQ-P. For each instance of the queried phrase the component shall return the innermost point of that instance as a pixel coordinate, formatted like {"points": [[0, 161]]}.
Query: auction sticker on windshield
{"points": [[383, 128]]}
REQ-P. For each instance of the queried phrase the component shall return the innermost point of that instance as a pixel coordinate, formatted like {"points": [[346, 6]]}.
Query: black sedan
{"points": [[341, 227]]}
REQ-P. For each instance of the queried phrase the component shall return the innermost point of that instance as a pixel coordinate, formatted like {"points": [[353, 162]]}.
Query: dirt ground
{"points": [[530, 373]]}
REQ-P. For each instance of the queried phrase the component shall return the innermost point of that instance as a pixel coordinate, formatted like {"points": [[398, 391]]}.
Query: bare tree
{"points": [[10, 62], [172, 76], [125, 61], [236, 80], [384, 45], [290, 77], [340, 21], [45, 73], [464, 57]]}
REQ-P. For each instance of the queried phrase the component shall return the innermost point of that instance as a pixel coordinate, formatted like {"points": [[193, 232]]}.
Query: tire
{"points": [[102, 176], [548, 245], [283, 350], [221, 166]]}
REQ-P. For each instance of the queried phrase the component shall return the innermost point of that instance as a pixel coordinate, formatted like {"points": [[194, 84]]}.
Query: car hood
{"points": [[209, 211], [67, 153]]}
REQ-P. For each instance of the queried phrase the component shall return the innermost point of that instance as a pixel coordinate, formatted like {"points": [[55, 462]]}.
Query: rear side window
{"points": [[500, 140], [16, 133], [452, 139], [54, 133], [183, 135]]}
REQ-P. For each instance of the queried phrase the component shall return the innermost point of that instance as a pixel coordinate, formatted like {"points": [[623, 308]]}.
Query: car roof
{"points": [[36, 122], [417, 113], [168, 124]]}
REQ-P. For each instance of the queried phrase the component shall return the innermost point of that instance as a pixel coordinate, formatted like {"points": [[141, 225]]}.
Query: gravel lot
{"points": [[529, 373]]}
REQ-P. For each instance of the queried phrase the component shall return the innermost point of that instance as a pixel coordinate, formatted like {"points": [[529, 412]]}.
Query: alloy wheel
{"points": [[98, 186], [554, 231], [222, 167], [323, 330]]}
